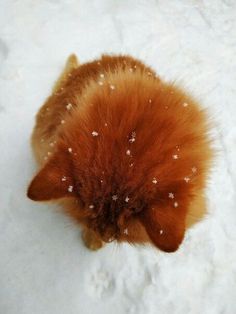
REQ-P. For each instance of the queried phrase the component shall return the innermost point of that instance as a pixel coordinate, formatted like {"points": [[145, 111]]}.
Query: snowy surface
{"points": [[44, 267]]}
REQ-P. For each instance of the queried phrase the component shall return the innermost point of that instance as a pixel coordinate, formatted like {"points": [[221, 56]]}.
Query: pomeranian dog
{"points": [[125, 153]]}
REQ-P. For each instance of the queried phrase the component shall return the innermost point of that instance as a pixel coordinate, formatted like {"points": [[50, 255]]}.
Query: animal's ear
{"points": [[165, 226], [53, 181]]}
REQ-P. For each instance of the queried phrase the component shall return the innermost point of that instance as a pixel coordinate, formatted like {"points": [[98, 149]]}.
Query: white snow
{"points": [[154, 180], [186, 179], [44, 266], [69, 106], [126, 231], [127, 199], [70, 188], [132, 139], [114, 197], [171, 195], [94, 133]]}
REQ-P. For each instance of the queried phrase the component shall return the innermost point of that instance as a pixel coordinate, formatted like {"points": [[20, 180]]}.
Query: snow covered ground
{"points": [[44, 267]]}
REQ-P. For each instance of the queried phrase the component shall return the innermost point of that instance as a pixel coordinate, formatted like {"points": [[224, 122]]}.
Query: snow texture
{"points": [[44, 266]]}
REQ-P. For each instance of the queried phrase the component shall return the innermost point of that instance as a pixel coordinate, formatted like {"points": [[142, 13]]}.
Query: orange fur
{"points": [[126, 153]]}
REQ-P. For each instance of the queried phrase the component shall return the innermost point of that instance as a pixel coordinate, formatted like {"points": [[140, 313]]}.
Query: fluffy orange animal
{"points": [[124, 152]]}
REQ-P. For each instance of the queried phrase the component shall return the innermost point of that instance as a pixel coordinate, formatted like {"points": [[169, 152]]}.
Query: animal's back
{"points": [[134, 129]]}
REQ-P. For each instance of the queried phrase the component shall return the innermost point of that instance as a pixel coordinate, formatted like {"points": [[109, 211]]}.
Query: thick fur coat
{"points": [[126, 153]]}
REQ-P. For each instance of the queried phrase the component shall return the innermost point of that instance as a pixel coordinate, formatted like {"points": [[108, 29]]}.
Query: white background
{"points": [[44, 267]]}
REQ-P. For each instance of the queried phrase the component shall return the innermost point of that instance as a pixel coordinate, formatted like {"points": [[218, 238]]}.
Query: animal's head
{"points": [[107, 203]]}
